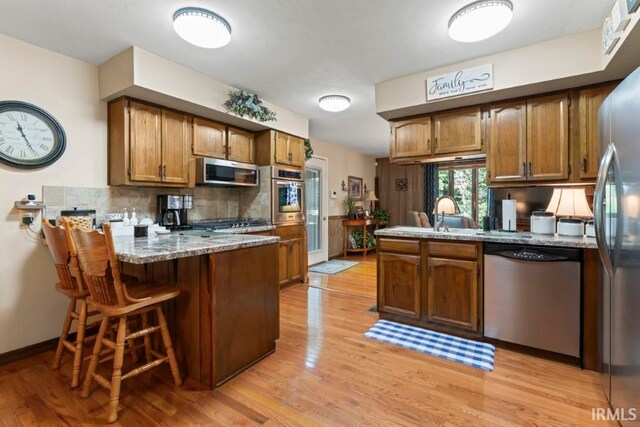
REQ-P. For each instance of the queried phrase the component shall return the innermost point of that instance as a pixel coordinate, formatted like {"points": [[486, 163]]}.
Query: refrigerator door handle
{"points": [[598, 209]]}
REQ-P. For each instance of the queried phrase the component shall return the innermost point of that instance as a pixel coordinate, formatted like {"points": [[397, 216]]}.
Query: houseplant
{"points": [[381, 216], [349, 203], [248, 104]]}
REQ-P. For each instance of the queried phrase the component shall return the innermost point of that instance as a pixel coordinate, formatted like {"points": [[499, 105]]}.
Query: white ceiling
{"points": [[291, 52]]}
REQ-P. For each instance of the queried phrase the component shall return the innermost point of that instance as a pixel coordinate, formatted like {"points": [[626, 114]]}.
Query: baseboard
{"points": [[28, 351]]}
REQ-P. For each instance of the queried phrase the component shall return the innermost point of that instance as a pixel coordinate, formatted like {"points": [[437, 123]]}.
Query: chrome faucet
{"points": [[440, 224]]}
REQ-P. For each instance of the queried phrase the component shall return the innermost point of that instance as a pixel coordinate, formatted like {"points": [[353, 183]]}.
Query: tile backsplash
{"points": [[209, 202]]}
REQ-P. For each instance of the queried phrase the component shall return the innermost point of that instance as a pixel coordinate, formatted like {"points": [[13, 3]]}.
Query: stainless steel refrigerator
{"points": [[617, 222]]}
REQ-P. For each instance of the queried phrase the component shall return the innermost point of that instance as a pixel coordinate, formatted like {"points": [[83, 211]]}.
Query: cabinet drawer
{"points": [[453, 250], [400, 246]]}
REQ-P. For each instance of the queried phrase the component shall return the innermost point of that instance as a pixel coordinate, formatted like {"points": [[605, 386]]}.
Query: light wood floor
{"points": [[323, 373]]}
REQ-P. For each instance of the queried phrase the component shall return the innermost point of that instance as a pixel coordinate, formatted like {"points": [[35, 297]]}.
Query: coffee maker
{"points": [[172, 211]]}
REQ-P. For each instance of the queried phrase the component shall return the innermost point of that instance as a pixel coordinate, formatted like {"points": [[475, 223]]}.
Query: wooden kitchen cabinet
{"points": [[278, 148], [452, 288], [291, 254], [590, 101], [241, 146], [548, 138], [209, 138], [148, 145], [507, 151], [399, 284], [458, 132], [410, 139]]}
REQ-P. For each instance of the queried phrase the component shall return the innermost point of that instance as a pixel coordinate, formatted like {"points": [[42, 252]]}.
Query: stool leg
{"points": [[166, 339], [86, 387], [65, 332], [132, 344], [116, 377], [147, 338], [77, 356]]}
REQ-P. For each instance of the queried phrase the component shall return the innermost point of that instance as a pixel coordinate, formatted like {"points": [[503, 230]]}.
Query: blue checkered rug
{"points": [[332, 267], [471, 353]]}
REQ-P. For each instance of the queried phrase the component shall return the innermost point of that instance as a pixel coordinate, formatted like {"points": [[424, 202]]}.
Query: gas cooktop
{"points": [[221, 224]]}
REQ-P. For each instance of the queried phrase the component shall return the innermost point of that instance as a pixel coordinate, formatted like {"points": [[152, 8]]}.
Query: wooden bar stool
{"points": [[70, 284], [119, 301]]}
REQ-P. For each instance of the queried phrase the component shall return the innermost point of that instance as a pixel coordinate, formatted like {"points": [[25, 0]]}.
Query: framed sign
{"points": [[456, 83], [619, 16], [609, 36]]}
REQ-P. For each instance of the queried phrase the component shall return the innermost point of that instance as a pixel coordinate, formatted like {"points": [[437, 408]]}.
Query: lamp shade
{"points": [[445, 205], [371, 196], [569, 202]]}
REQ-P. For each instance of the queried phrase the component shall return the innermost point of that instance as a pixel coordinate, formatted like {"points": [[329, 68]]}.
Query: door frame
{"points": [[321, 255]]}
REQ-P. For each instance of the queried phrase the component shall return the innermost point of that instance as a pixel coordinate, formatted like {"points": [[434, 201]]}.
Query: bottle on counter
{"points": [[125, 218], [134, 217]]}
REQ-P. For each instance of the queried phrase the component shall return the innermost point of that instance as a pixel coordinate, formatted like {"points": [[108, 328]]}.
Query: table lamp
{"points": [[371, 198], [570, 203]]}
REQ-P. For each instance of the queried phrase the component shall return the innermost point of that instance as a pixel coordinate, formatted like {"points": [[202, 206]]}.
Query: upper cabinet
{"points": [[507, 154], [458, 132], [277, 148], [589, 139], [148, 145], [529, 140], [411, 138], [548, 138], [241, 146], [209, 138]]}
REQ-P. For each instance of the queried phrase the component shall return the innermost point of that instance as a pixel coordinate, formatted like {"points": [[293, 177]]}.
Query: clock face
{"points": [[29, 136]]}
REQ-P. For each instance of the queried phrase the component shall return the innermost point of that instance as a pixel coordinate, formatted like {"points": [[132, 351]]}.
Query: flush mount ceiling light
{"points": [[334, 103], [480, 20], [201, 27]]}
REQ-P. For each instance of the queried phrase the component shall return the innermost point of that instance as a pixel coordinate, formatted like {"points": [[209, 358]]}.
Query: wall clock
{"points": [[29, 136]]}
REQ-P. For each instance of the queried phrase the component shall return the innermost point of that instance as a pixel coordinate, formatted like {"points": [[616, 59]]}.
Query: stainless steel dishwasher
{"points": [[532, 296]]}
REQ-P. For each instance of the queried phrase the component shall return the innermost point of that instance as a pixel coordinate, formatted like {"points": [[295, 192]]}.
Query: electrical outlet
{"points": [[27, 219]]}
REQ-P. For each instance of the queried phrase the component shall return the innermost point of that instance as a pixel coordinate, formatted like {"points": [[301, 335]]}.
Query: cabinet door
{"points": [[296, 150], [209, 138], [590, 101], [175, 147], [296, 252], [411, 138], [399, 284], [145, 143], [548, 138], [281, 148], [458, 131], [507, 157], [241, 146], [452, 289], [283, 263]]}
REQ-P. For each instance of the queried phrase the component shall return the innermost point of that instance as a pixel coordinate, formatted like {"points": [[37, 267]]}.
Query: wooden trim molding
{"points": [[32, 350]]}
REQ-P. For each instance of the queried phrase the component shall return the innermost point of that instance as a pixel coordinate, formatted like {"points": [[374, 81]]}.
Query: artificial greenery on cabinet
{"points": [[243, 104]]}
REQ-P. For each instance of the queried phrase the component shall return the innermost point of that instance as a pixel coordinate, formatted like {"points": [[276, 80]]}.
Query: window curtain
{"points": [[430, 189]]}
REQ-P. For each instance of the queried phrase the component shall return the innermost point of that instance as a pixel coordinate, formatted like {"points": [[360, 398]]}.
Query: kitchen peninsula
{"points": [[227, 315], [478, 284]]}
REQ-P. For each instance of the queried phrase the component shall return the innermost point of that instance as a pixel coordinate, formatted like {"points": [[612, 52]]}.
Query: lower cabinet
{"points": [[399, 284], [432, 283], [292, 266]]}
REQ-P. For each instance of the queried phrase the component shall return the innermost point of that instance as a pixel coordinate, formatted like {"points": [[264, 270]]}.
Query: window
{"points": [[468, 187]]}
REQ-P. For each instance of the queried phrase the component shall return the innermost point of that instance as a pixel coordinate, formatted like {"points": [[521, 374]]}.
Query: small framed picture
{"points": [[401, 184], [355, 187]]}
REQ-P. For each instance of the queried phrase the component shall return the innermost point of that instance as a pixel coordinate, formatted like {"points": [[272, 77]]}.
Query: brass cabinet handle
{"points": [[435, 147], [164, 171], [524, 168], [429, 144], [228, 150], [584, 164], [160, 170]]}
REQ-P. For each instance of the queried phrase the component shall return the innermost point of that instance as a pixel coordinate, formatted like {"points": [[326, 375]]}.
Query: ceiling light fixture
{"points": [[334, 103], [201, 27], [480, 20]]}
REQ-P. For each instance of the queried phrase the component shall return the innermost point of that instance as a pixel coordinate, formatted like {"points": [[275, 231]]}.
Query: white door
{"points": [[317, 203]]}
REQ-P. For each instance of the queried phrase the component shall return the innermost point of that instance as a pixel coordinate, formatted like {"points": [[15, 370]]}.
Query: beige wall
{"points": [[344, 162], [31, 310]]}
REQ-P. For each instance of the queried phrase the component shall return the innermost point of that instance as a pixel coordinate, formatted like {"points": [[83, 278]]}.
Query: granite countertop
{"points": [[244, 230], [143, 250], [520, 238]]}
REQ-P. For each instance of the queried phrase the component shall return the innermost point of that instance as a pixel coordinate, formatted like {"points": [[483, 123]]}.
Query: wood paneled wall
{"points": [[399, 202], [336, 236]]}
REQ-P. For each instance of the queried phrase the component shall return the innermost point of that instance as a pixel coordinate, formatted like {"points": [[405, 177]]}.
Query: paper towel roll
{"points": [[509, 215]]}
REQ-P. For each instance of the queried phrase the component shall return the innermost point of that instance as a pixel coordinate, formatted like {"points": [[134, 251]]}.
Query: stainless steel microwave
{"points": [[225, 173]]}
